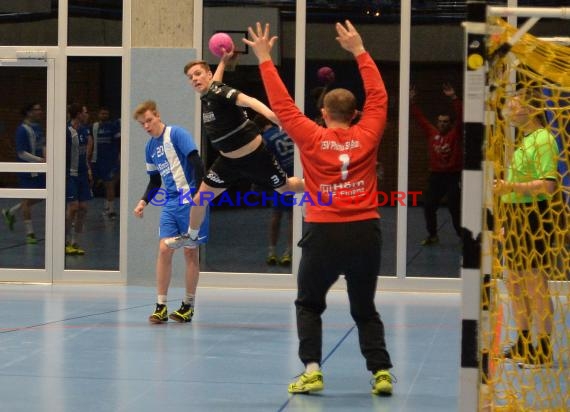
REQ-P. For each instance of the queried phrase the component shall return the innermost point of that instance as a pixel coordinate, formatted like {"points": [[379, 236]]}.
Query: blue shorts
{"points": [[77, 188], [175, 219], [29, 182], [106, 170]]}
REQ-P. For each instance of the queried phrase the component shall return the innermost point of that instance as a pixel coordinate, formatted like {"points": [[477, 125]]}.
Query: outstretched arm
{"points": [[247, 101]]}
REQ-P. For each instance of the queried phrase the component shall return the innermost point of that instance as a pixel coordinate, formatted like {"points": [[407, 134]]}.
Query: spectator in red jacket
{"points": [[445, 148]]}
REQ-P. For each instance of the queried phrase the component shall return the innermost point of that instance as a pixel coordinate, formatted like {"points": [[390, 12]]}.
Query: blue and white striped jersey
{"points": [[168, 155]]}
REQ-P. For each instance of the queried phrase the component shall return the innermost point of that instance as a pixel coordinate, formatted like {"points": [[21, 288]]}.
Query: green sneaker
{"points": [[382, 383], [285, 259], [430, 240], [31, 239], [308, 382], [184, 314], [271, 259], [78, 249], [70, 250], [160, 314], [9, 218]]}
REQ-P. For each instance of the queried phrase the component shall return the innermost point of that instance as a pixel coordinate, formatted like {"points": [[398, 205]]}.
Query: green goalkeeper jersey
{"points": [[536, 158]]}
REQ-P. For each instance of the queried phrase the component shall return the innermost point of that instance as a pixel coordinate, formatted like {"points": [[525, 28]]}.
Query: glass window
{"points": [[95, 23], [93, 141], [323, 52], [244, 238], [30, 23], [23, 141], [435, 141]]}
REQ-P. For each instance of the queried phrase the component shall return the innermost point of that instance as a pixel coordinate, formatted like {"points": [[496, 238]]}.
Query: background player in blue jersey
{"points": [[30, 147], [105, 160], [282, 147], [172, 159], [79, 144]]}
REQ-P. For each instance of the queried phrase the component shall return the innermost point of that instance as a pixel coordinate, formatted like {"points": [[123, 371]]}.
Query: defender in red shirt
{"points": [[343, 229]]}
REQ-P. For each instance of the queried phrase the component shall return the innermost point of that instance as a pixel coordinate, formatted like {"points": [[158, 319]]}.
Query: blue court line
{"points": [[53, 322], [322, 363]]}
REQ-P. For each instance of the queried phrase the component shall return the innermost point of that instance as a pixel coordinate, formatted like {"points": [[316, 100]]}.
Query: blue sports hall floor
{"points": [[91, 348]]}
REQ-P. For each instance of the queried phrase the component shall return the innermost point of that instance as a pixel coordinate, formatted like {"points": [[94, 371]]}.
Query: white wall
{"points": [[156, 74]]}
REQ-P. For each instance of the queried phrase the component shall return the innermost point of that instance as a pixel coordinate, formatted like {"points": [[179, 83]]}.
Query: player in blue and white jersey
{"points": [[105, 159], [78, 144], [30, 147], [172, 161]]}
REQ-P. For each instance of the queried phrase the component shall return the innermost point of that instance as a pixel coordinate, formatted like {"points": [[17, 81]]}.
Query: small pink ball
{"points": [[219, 41], [325, 75]]}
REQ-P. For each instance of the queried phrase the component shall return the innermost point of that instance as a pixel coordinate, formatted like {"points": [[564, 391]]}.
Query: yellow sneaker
{"points": [[382, 383], [271, 259], [31, 239], [160, 314], [70, 250], [184, 314], [308, 382], [285, 259], [78, 249]]}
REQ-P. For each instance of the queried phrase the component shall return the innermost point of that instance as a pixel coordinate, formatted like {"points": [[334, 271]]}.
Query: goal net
{"points": [[525, 343]]}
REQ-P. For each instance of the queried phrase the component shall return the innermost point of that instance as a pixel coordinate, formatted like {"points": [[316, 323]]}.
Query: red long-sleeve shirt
{"points": [[445, 150], [341, 162]]}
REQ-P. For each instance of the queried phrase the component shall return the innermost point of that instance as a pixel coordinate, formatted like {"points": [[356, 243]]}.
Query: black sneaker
{"points": [[160, 314], [184, 314]]}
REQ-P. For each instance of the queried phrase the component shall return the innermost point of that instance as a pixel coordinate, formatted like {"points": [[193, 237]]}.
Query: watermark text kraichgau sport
{"points": [[161, 197]]}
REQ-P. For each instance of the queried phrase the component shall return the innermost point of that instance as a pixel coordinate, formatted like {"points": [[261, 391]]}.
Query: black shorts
{"points": [[259, 167], [529, 232]]}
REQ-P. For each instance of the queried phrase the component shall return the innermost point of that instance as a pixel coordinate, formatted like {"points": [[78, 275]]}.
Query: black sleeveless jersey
{"points": [[226, 124]]}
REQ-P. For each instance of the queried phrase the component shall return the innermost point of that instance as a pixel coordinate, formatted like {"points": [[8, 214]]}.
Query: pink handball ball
{"points": [[325, 75], [219, 41]]}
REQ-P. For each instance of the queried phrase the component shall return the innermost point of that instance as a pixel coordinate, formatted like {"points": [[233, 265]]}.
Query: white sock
{"points": [[194, 233], [189, 299], [161, 299], [29, 227], [312, 367]]}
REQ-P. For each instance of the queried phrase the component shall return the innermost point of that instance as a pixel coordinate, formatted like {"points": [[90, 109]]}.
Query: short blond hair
{"points": [[145, 106], [340, 105]]}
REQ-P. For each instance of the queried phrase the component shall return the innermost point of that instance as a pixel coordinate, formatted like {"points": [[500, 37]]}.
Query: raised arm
{"points": [[227, 58], [418, 114], [457, 104], [295, 123], [247, 101], [349, 39]]}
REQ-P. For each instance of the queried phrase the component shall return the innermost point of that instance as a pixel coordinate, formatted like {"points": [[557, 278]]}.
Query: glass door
{"points": [[26, 142]]}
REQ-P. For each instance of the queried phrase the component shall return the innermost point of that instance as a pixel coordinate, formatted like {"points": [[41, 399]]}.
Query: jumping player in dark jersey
{"points": [[242, 151]]}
